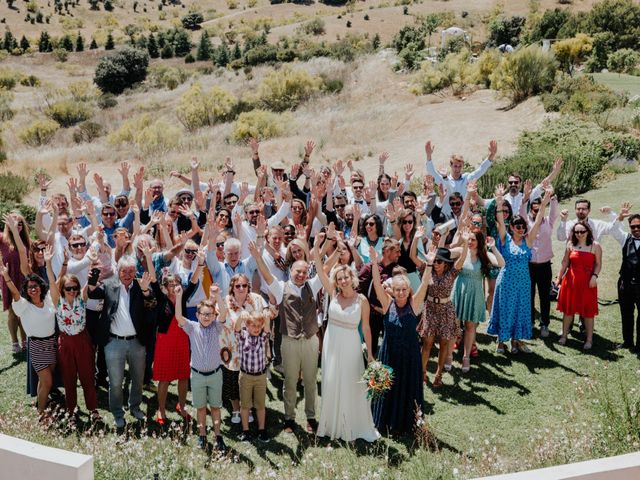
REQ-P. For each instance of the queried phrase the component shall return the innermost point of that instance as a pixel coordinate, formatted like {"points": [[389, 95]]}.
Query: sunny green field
{"points": [[510, 413], [620, 82]]}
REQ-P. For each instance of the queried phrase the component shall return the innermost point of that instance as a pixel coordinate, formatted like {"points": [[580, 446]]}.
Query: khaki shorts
{"points": [[253, 390], [206, 389]]}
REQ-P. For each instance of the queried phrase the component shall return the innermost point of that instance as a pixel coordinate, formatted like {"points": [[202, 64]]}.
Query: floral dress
{"points": [[439, 318]]}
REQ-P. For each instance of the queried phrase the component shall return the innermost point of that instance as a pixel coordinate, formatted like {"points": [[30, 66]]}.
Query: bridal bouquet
{"points": [[378, 378]]}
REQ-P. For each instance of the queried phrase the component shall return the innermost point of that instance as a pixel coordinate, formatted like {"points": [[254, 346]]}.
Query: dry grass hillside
{"points": [[374, 112]]}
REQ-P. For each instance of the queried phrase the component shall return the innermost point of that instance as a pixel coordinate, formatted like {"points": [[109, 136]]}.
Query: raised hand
{"points": [[138, 178], [228, 164], [472, 187], [82, 170], [338, 167], [493, 149], [491, 242], [557, 164], [605, 210], [527, 188], [97, 178], [4, 271], [431, 255], [428, 184], [72, 185], [177, 290], [144, 281], [384, 156], [48, 253], [442, 192], [301, 232], [194, 163], [564, 215], [43, 182], [201, 256], [124, 169], [397, 204], [261, 225], [319, 238], [408, 171], [499, 192], [214, 291], [428, 149], [373, 255], [254, 144], [253, 249], [625, 210], [331, 231], [419, 232], [308, 148], [341, 183], [295, 170], [390, 213], [285, 192], [262, 171]]}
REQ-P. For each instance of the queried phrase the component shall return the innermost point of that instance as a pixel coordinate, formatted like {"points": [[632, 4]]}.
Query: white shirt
{"points": [[249, 231], [122, 325], [277, 288], [598, 227], [516, 200], [37, 322]]}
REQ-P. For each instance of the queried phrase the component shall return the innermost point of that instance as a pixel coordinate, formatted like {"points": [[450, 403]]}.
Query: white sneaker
{"points": [[250, 417], [235, 417], [544, 331]]}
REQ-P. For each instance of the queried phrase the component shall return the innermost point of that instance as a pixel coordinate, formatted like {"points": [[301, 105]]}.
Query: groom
{"points": [[299, 328]]}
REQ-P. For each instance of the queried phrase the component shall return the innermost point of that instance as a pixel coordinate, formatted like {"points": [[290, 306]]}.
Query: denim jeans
{"points": [[117, 352]]}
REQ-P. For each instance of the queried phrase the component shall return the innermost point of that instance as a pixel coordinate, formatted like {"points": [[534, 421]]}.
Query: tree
{"points": [[204, 47], [44, 43], [549, 25], [430, 25], [93, 45], [571, 51], [505, 30], [167, 51], [152, 46], [375, 42], [110, 45], [121, 70], [181, 43], [237, 53], [192, 20], [624, 60], [108, 5], [621, 18], [24, 44], [66, 43], [79, 43], [9, 42], [94, 5], [221, 58]]}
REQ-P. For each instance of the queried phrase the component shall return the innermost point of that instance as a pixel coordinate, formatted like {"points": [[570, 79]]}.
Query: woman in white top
{"points": [[37, 313]]}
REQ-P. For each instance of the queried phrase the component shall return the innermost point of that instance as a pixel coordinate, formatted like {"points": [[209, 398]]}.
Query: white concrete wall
{"points": [[622, 467], [22, 460]]}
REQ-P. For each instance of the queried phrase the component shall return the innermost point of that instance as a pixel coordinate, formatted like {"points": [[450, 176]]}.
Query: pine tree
{"points": [[24, 44], [375, 42], [44, 43], [152, 46], [110, 45], [66, 43], [9, 43], [167, 51], [108, 5], [162, 40], [93, 45], [222, 55], [181, 43], [237, 53], [79, 43], [204, 48]]}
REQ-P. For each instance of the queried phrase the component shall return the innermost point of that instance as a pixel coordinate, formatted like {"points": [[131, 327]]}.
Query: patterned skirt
{"points": [[43, 352]]}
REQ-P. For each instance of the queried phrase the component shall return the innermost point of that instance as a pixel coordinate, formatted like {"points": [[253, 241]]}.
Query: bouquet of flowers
{"points": [[378, 378]]}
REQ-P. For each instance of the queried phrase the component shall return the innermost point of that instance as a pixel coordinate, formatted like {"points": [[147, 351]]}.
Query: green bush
{"points": [[526, 72], [8, 206], [69, 112], [624, 60], [127, 131], [287, 88], [582, 95], [87, 132], [199, 109], [121, 70], [160, 137], [192, 20], [313, 27], [107, 100], [259, 124], [548, 25], [505, 30], [585, 147], [8, 78], [454, 71], [5, 105], [167, 77], [13, 187], [487, 63], [39, 132]]}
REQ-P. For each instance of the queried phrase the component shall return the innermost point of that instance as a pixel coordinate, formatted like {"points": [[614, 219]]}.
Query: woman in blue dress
{"points": [[511, 311], [468, 293], [396, 411]]}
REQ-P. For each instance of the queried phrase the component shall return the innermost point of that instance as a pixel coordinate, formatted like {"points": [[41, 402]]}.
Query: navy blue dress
{"points": [[400, 350]]}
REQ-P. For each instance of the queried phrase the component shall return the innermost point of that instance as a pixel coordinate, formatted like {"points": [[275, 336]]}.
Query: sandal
{"points": [[587, 346], [183, 413], [474, 351], [15, 348], [514, 349], [160, 421], [500, 348], [562, 340], [466, 364], [437, 381]]}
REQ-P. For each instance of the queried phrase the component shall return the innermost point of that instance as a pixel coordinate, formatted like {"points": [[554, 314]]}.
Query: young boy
{"points": [[252, 345], [206, 375]]}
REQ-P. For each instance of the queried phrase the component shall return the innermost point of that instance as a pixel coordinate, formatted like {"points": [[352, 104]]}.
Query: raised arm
{"points": [[53, 286], [4, 271], [124, 173], [431, 169], [421, 292], [10, 221], [531, 237], [214, 292], [413, 252], [178, 307], [487, 162], [502, 230], [466, 235], [322, 275], [262, 267], [495, 257], [383, 296]]}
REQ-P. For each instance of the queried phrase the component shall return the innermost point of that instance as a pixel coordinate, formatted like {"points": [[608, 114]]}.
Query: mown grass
{"points": [[620, 82], [510, 413]]}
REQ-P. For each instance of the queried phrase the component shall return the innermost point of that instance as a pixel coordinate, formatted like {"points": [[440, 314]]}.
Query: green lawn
{"points": [[620, 82], [510, 413]]}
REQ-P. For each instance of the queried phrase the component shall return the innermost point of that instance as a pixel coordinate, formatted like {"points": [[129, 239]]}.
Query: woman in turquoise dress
{"points": [[468, 292], [511, 311], [396, 411]]}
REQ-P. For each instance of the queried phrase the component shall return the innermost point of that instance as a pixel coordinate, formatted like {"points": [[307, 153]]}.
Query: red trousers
{"points": [[76, 359]]}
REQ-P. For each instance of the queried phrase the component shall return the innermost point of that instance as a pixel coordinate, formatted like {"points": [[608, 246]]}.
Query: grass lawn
{"points": [[620, 82], [510, 413]]}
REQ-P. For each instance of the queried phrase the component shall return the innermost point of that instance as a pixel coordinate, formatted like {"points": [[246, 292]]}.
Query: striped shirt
{"points": [[205, 345], [253, 357]]}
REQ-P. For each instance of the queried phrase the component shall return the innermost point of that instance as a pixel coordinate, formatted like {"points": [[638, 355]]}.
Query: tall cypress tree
{"points": [[24, 44], [9, 42], [93, 45], [204, 48], [237, 53], [110, 45], [79, 43], [44, 43], [152, 46]]}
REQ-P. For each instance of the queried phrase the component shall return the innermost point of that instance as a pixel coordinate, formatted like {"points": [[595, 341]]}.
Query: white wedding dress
{"points": [[346, 412]]}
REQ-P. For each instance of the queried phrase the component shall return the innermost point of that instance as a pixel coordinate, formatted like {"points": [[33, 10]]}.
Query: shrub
{"points": [[287, 88], [8, 78], [505, 30], [128, 129], [571, 51], [199, 109], [549, 25], [488, 63], [624, 60], [526, 72], [259, 124], [82, 91], [30, 81], [87, 132], [159, 137], [313, 27], [581, 95], [585, 147], [69, 112], [5, 105], [192, 20], [8, 206], [61, 54], [428, 80], [40, 132], [122, 70], [107, 100], [167, 77], [454, 71]]}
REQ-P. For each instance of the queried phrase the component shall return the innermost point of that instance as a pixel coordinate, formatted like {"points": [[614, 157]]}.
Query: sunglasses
{"points": [[219, 244], [370, 224], [109, 214], [476, 224], [75, 288], [186, 198], [340, 206], [223, 215], [579, 232], [40, 249], [78, 245], [514, 183], [357, 187], [189, 251], [253, 212], [505, 212], [455, 204], [239, 286], [519, 226], [121, 205], [438, 261], [298, 207], [407, 222], [634, 227]]}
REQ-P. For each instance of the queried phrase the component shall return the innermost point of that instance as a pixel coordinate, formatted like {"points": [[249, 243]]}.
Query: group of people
{"points": [[211, 286]]}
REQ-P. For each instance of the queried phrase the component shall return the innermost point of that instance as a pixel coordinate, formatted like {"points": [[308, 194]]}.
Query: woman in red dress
{"points": [[579, 274], [172, 358]]}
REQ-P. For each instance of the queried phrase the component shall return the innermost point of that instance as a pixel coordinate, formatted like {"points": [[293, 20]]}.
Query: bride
{"points": [[345, 413]]}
